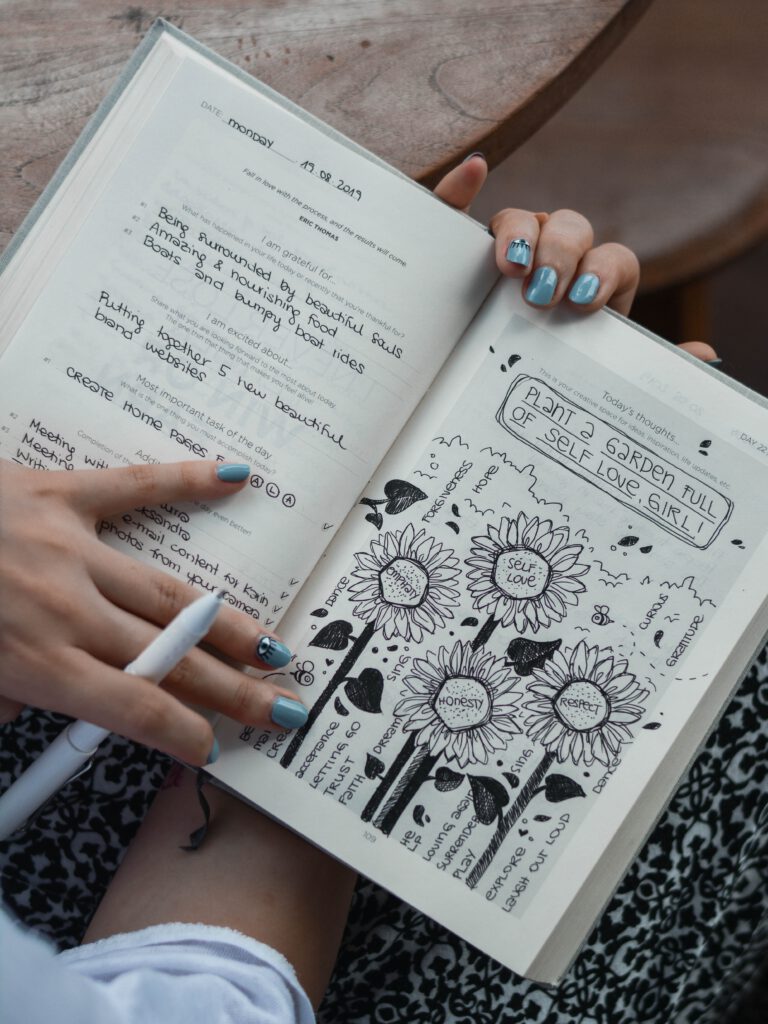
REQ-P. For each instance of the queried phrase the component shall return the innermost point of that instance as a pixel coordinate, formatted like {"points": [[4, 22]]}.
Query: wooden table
{"points": [[420, 82], [666, 147]]}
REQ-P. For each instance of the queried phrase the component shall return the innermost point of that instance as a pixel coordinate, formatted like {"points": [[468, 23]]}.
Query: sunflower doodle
{"points": [[580, 707], [405, 585], [524, 573]]}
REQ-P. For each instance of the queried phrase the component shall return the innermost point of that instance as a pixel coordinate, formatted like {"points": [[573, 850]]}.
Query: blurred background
{"points": [[665, 149]]}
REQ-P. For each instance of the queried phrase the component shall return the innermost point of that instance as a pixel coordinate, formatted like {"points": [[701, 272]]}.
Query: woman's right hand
{"points": [[74, 612]]}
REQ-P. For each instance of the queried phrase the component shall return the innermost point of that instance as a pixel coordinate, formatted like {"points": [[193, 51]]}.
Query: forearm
{"points": [[250, 874]]}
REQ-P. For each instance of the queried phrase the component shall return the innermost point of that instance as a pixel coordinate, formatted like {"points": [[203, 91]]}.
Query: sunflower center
{"points": [[581, 705], [521, 573], [403, 582], [462, 702]]}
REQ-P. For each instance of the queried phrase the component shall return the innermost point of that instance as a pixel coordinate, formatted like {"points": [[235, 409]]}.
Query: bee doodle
{"points": [[601, 616]]}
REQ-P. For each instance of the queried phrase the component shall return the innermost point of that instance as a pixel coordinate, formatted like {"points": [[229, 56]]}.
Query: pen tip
{"points": [[221, 595]]}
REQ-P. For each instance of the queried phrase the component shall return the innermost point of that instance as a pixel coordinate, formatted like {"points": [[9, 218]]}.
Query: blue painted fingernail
{"points": [[584, 290], [519, 251], [233, 472], [273, 652], [542, 286], [214, 754], [715, 362], [288, 713], [476, 153]]}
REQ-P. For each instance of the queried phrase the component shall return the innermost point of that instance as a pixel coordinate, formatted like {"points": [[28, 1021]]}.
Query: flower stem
{"points": [[385, 783], [338, 677], [486, 632], [414, 776], [506, 824]]}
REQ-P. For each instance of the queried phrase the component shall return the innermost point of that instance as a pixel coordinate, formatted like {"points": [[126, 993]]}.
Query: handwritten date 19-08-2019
{"points": [[332, 180]]}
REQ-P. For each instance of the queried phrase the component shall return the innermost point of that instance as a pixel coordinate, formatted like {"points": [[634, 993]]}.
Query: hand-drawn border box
{"points": [[577, 441]]}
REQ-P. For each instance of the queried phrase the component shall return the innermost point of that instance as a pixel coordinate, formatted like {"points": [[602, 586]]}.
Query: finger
{"points": [[131, 707], [104, 492], [157, 597], [459, 187], [606, 276], [700, 349], [517, 235], [201, 679], [563, 241], [9, 710]]}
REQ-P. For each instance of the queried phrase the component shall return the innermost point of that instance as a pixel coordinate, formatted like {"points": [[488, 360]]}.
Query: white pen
{"points": [[75, 744]]}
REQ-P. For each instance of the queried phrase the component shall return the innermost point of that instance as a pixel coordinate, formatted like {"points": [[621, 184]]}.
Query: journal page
{"points": [[513, 655], [219, 277]]}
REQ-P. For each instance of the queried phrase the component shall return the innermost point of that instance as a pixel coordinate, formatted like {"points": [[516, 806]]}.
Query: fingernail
{"points": [[519, 251], [542, 286], [233, 472], [585, 288], [214, 754], [290, 714], [715, 362], [476, 153], [273, 652]]}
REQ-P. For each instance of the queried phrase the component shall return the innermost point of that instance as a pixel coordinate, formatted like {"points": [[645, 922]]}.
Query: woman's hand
{"points": [[73, 612], [550, 252]]}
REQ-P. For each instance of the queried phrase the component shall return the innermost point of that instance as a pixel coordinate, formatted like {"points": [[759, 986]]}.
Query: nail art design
{"points": [[233, 472], [273, 652], [542, 286], [519, 251], [289, 714], [584, 289], [214, 754]]}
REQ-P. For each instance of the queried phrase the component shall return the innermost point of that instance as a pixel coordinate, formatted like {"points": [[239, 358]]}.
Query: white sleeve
{"points": [[172, 974]]}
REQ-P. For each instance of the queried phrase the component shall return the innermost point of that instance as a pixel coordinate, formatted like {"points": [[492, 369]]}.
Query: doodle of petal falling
{"points": [[405, 584], [581, 705], [524, 572]]}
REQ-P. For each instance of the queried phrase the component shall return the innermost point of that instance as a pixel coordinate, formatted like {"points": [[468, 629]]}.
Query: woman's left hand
{"points": [[551, 253]]}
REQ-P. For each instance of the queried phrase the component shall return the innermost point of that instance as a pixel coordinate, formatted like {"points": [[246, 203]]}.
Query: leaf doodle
{"points": [[470, 621], [647, 549], [401, 496], [657, 636], [374, 767], [376, 518], [542, 817], [628, 542], [559, 787], [512, 779], [452, 526], [652, 725], [319, 613], [526, 655], [488, 796], [334, 637], [446, 780], [340, 709], [365, 692]]}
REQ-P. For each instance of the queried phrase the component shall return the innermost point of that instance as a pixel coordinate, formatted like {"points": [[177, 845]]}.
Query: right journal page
{"points": [[539, 593]]}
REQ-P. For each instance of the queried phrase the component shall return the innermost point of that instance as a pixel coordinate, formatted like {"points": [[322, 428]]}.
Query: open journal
{"points": [[520, 556]]}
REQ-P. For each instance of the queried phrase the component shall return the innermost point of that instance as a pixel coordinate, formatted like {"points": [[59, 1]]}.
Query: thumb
{"points": [[459, 187], [699, 349], [104, 492]]}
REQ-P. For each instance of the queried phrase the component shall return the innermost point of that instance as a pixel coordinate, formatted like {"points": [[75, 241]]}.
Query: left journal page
{"points": [[213, 274]]}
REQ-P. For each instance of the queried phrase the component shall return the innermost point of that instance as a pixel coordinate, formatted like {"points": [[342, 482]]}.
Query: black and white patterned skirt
{"points": [[686, 930]]}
